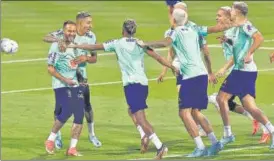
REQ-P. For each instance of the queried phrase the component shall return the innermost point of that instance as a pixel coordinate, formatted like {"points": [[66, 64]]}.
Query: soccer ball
{"points": [[9, 46]]}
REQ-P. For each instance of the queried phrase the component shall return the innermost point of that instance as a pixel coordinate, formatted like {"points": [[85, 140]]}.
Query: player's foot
{"points": [[265, 138], [161, 152], [215, 148], [73, 152], [197, 153], [95, 141], [202, 133], [49, 146], [144, 144], [256, 127], [58, 141], [226, 140], [212, 99]]}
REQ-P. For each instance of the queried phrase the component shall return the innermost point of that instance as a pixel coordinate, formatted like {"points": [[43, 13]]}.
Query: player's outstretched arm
{"points": [[156, 44], [161, 60], [57, 75], [217, 28], [87, 46], [50, 38]]}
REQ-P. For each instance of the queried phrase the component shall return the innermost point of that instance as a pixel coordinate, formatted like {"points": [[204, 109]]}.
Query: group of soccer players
{"points": [[74, 46]]}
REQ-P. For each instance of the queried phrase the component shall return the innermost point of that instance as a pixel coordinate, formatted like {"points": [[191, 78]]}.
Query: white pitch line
{"points": [[107, 54], [96, 84], [223, 151]]}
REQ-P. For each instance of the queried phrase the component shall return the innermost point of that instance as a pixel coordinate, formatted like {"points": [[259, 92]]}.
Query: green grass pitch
{"points": [[27, 117]]}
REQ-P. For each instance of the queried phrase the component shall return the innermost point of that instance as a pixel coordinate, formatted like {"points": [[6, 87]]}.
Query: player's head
{"points": [[129, 27], [179, 17], [223, 15], [239, 9], [181, 5], [69, 28], [84, 21]]}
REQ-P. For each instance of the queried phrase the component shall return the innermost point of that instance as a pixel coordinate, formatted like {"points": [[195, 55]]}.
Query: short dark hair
{"points": [[130, 26], [82, 14], [68, 22]]}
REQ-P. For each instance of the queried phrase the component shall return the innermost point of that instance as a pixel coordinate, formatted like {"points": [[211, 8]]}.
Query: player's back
{"points": [[130, 57], [187, 48]]}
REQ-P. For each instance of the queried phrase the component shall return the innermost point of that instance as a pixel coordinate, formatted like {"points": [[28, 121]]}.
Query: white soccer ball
{"points": [[9, 46]]}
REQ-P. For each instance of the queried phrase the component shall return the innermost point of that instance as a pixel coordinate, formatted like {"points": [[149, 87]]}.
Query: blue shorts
{"points": [[179, 79], [240, 83], [172, 2], [194, 93], [69, 101], [136, 96]]}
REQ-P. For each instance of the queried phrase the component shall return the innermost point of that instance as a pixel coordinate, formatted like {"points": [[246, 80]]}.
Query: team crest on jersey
{"points": [[249, 28]]}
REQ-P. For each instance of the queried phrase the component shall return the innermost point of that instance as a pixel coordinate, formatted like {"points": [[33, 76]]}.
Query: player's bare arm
{"points": [[57, 75], [218, 28], [87, 46], [271, 57], [224, 69], [211, 76], [156, 44], [161, 60], [170, 57], [257, 41], [50, 39]]}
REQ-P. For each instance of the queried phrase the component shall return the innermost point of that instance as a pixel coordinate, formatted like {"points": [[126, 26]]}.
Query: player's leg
{"points": [[249, 104], [265, 138], [77, 105], [144, 138], [136, 95], [63, 97], [190, 96], [89, 117], [58, 141]]}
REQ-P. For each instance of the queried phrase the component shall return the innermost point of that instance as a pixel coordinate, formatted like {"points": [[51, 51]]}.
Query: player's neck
{"points": [[80, 32], [240, 20]]}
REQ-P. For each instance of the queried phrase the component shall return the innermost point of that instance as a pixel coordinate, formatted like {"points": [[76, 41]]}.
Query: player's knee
{"points": [[221, 100], [184, 113], [88, 107], [232, 105]]}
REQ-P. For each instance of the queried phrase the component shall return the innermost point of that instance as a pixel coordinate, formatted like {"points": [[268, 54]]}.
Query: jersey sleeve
{"points": [[57, 34], [202, 41], [52, 54], [249, 29], [109, 45], [171, 34], [202, 30]]}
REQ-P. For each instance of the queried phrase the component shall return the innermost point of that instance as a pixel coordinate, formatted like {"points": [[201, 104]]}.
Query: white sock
{"points": [[73, 143], [155, 140], [199, 143], [227, 131], [212, 138], [265, 131], [269, 127], [91, 129], [52, 136], [141, 131], [247, 114]]}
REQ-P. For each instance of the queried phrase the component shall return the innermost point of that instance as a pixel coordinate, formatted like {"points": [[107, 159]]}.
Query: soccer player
{"points": [[131, 61], [176, 63], [223, 17], [193, 94], [84, 35], [68, 95], [242, 79]]}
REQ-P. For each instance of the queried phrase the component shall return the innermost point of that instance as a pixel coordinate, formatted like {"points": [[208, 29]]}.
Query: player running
{"points": [[68, 95], [193, 94], [84, 35], [223, 17], [242, 79], [130, 58]]}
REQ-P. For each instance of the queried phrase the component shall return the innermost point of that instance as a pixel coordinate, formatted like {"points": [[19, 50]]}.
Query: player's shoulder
{"points": [[90, 35], [248, 26], [54, 47], [58, 32], [111, 41], [191, 23], [169, 30]]}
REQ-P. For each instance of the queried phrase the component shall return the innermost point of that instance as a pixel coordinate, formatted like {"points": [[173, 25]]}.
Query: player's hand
{"points": [[175, 70], [212, 78], [81, 59], [248, 58], [221, 39], [271, 57], [221, 72], [161, 77], [62, 45], [70, 82]]}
